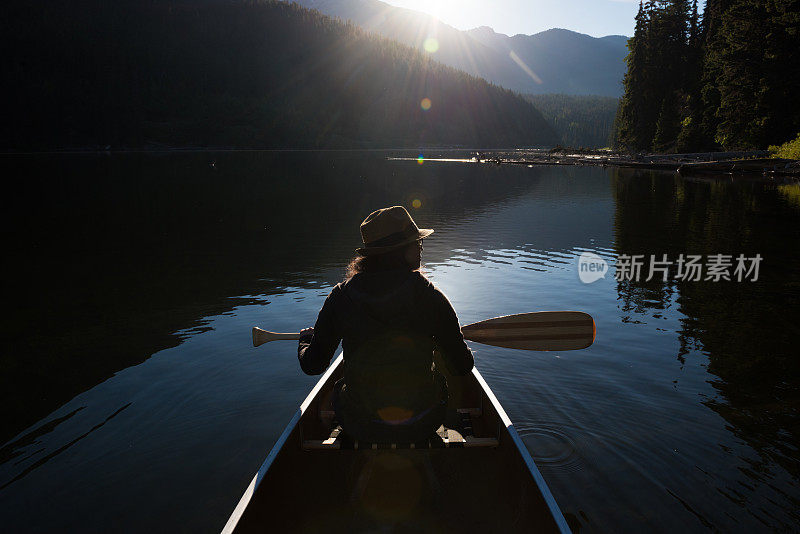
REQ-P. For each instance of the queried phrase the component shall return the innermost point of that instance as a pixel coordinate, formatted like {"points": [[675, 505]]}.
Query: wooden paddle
{"points": [[548, 330]]}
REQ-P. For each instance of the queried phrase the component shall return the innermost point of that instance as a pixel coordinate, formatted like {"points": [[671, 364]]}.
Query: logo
{"points": [[591, 267]]}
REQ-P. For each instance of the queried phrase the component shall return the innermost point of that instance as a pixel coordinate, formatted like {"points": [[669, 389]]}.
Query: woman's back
{"points": [[390, 319], [387, 346]]}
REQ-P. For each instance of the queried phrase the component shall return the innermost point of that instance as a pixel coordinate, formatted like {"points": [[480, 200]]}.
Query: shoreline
{"points": [[750, 163], [753, 164]]}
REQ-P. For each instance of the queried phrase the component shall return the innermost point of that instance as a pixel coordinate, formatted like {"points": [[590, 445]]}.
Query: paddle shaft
{"points": [[544, 331]]}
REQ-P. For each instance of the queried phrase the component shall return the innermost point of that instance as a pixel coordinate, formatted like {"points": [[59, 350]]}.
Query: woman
{"points": [[390, 319]]}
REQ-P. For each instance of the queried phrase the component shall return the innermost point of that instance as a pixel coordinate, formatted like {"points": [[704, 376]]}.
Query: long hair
{"points": [[388, 261]]}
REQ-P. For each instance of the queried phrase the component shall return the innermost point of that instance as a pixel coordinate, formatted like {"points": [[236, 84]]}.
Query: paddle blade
{"points": [[551, 330]]}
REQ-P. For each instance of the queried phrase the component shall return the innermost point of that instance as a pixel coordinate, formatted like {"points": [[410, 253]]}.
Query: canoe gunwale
{"points": [[552, 505], [233, 520]]}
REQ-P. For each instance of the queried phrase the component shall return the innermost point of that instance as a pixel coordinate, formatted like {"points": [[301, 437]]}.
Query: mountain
{"points": [[563, 61], [259, 74], [553, 61]]}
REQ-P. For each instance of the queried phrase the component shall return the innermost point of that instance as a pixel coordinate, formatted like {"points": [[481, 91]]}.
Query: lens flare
{"points": [[420, 159], [431, 45], [425, 104], [391, 487], [394, 415], [524, 67], [416, 203]]}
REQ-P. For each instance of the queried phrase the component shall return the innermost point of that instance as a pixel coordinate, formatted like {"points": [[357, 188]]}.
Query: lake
{"points": [[133, 399]]}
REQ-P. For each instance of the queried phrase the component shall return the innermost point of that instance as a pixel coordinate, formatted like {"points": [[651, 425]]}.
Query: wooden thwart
{"points": [[447, 438]]}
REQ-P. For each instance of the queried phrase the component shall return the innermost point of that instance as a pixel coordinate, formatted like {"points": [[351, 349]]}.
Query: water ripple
{"points": [[551, 446]]}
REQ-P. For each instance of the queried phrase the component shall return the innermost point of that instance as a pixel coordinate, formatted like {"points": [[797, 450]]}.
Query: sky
{"points": [[597, 18]]}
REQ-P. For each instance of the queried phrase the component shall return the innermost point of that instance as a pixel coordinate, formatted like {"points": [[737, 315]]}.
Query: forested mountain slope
{"points": [[580, 121], [245, 74]]}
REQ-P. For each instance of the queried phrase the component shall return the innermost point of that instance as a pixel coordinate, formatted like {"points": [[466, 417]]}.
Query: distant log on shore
{"points": [[746, 166]]}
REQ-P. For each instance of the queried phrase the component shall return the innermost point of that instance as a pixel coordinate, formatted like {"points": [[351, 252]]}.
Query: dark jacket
{"points": [[389, 324]]}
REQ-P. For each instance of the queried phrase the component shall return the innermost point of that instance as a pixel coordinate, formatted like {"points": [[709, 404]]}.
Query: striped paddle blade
{"points": [[549, 330]]}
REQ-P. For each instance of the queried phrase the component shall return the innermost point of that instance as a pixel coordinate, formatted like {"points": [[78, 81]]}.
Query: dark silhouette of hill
{"points": [[241, 74], [561, 61]]}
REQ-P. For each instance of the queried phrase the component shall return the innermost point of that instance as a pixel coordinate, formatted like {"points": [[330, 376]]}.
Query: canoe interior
{"points": [[487, 489]]}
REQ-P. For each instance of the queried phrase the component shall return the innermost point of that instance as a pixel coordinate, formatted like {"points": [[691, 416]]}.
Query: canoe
{"points": [[474, 475]]}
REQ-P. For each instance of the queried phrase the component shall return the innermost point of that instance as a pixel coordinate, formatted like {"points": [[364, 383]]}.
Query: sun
{"points": [[442, 9]]}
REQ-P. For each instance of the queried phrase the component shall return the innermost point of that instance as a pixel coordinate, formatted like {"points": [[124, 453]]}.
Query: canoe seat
{"points": [[444, 438]]}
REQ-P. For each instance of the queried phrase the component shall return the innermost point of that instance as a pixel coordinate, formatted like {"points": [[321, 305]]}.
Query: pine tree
{"points": [[782, 69], [673, 24], [694, 28], [727, 80], [709, 91], [630, 117], [739, 58], [667, 126], [655, 104], [690, 138]]}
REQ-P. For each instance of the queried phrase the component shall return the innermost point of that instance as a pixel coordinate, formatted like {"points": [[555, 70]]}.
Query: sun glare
{"points": [[431, 45]]}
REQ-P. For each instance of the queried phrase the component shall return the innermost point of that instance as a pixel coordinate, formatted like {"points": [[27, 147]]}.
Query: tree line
{"points": [[582, 121], [724, 80], [259, 74]]}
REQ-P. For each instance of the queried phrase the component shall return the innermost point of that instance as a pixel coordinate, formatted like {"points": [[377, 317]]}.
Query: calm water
{"points": [[133, 399]]}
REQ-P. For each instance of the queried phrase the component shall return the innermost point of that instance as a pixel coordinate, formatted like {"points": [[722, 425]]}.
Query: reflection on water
{"points": [[130, 383], [747, 331]]}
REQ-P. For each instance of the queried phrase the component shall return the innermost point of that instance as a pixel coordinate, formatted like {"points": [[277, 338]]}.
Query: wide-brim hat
{"points": [[387, 229]]}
